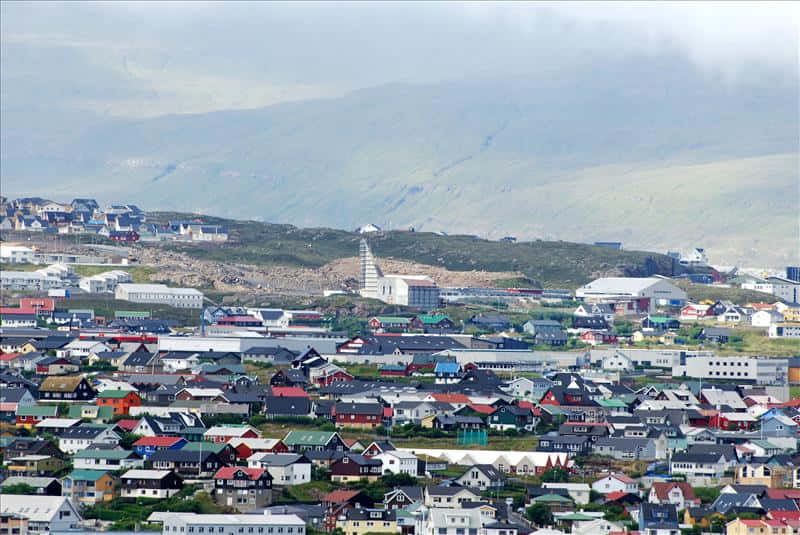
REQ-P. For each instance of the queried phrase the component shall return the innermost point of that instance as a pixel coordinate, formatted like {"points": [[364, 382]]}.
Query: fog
{"points": [[132, 59]]}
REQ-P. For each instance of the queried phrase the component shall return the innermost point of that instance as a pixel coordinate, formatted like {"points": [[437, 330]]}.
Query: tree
{"points": [[539, 514], [127, 440], [555, 475], [257, 419], [19, 488]]}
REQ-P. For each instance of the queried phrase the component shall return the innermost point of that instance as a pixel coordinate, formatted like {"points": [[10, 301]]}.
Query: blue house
{"points": [[658, 519], [776, 424], [145, 447], [447, 372]]}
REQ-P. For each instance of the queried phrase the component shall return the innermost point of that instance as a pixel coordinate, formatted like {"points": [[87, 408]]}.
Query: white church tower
{"points": [[368, 279]]}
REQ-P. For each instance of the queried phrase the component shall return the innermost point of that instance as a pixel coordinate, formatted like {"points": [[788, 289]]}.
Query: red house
{"points": [[245, 447], [289, 392], [240, 321], [363, 415], [120, 400], [732, 420], [41, 305], [598, 337], [337, 375]]}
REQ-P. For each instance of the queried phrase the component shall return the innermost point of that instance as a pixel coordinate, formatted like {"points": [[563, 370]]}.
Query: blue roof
{"points": [[446, 367]]}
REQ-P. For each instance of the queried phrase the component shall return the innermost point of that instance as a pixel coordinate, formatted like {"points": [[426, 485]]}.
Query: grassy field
{"points": [[547, 263], [702, 292]]}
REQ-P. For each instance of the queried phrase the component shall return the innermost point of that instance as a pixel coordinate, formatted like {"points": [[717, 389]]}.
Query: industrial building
{"points": [[160, 294], [646, 292]]}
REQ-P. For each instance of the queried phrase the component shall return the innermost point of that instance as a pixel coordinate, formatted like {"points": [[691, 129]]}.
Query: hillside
{"points": [[670, 159], [551, 264]]}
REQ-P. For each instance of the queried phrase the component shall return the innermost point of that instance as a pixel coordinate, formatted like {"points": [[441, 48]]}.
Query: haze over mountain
{"points": [[558, 125]]}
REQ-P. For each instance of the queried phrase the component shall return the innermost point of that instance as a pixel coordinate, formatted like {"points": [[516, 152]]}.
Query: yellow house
{"points": [[772, 476], [427, 422], [791, 314], [363, 521], [27, 348], [35, 465], [757, 527]]}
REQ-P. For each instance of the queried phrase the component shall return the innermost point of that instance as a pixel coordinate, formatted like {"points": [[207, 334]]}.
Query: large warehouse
{"points": [[654, 290]]}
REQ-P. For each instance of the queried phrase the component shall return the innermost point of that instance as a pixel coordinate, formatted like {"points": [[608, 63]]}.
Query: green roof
{"points": [[432, 318], [659, 319], [205, 446], [393, 319], [38, 410], [551, 498], [87, 475], [761, 443], [313, 438], [102, 454], [114, 394], [577, 517], [611, 403]]}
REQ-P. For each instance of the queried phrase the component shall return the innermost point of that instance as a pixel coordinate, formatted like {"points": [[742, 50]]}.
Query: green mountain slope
{"points": [[668, 159]]}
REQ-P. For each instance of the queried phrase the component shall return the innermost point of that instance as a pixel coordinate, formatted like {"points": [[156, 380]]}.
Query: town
{"points": [[625, 404]]}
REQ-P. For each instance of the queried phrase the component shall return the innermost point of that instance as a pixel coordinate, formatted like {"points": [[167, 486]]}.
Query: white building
{"points": [[398, 462], [610, 289], [450, 522], [784, 329], [417, 291], [782, 288], [579, 492], [226, 524], [16, 254], [765, 318], [285, 468], [143, 477], [764, 371], [160, 294], [28, 280], [104, 282], [615, 483], [45, 514]]}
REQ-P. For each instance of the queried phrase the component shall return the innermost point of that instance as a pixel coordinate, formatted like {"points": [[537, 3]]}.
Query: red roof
{"points": [[616, 495], [451, 398], [784, 515], [339, 496], [388, 412], [158, 442], [10, 311], [289, 392], [783, 494], [481, 408], [622, 477], [525, 404], [227, 472], [9, 356], [662, 489], [127, 425]]}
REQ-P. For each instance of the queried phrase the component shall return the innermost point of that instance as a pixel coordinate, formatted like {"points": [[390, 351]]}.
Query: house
{"points": [[90, 487], [338, 501], [432, 322], [677, 493], [120, 400], [603, 311], [44, 514], [285, 468], [105, 459], [657, 519], [573, 445], [615, 482], [300, 441], [765, 318], [34, 465], [545, 332], [401, 497], [80, 437], [447, 372], [490, 322], [31, 446], [150, 484], [145, 447], [482, 476], [66, 388], [47, 486], [187, 463], [93, 413], [244, 489], [398, 462], [511, 417], [637, 294], [622, 448], [660, 323], [449, 521], [530, 389], [282, 406], [718, 335], [225, 433], [354, 467], [359, 521], [698, 466], [246, 447], [693, 311], [359, 415], [742, 526], [395, 323], [27, 416]]}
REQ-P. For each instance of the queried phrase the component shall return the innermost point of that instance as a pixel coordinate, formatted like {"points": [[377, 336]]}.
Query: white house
{"points": [[609, 289], [617, 361], [45, 514], [765, 318], [784, 329], [615, 482], [285, 468], [449, 522], [77, 438], [82, 348], [398, 462]]}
